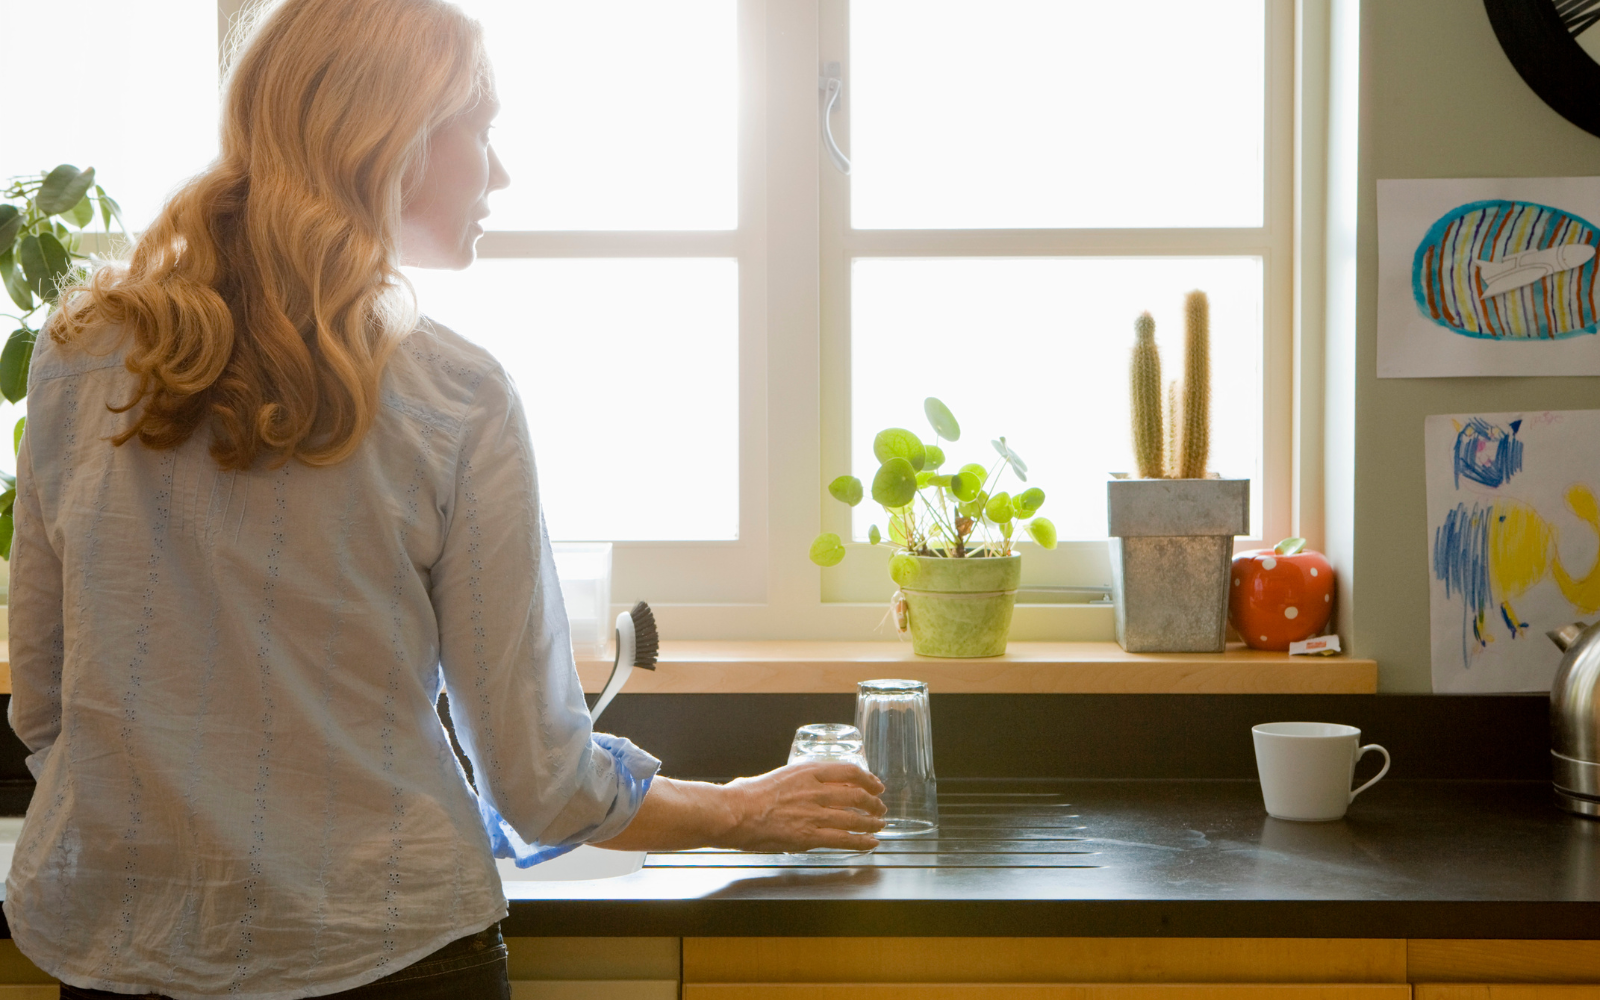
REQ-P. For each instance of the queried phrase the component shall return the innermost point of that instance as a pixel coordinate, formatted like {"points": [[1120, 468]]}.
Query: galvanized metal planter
{"points": [[1171, 545]]}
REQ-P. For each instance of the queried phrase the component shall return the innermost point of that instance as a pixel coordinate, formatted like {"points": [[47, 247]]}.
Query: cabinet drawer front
{"points": [[1492, 961], [1504, 991], [1043, 960], [1042, 991]]}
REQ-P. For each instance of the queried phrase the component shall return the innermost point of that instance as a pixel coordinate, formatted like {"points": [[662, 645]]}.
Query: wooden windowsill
{"points": [[794, 667], [782, 667]]}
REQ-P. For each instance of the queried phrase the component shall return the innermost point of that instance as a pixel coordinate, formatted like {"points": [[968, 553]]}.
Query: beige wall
{"points": [[1438, 99]]}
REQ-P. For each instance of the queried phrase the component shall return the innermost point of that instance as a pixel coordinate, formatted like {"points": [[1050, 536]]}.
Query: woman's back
{"points": [[245, 786]]}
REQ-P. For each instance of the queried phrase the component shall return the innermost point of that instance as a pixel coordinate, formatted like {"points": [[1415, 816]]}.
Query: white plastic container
{"points": [[585, 572]]}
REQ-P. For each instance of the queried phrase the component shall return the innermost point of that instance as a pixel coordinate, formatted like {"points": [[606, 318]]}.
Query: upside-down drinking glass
{"points": [[898, 739], [832, 743]]}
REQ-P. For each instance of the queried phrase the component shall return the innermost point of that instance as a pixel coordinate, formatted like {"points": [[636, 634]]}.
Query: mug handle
{"points": [[1380, 774]]}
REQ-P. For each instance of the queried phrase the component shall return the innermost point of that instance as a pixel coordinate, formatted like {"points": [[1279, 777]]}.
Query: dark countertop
{"points": [[1190, 858]]}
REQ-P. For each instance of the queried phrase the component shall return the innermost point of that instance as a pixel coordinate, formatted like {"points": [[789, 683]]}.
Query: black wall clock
{"points": [[1554, 44]]}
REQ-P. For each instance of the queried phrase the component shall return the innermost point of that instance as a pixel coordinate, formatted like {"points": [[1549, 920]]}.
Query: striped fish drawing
{"points": [[1508, 270]]}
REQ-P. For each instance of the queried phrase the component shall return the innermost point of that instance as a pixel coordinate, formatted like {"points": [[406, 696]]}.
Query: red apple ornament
{"points": [[1280, 595]]}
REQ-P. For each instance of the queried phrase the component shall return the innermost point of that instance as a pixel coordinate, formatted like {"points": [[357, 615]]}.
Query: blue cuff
{"points": [[635, 770]]}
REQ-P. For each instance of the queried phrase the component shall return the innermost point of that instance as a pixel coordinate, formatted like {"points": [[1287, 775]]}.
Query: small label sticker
{"points": [[1322, 645]]}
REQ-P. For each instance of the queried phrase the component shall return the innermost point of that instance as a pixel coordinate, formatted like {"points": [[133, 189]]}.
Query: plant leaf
{"points": [[8, 500], [943, 421], [10, 226], [17, 288], [873, 535], [1012, 458], [62, 188], [109, 209], [966, 485], [846, 489], [1028, 501], [1043, 532], [998, 509], [82, 213], [935, 457], [7, 528], [58, 263], [1289, 546], [897, 442], [827, 550], [904, 568], [895, 485], [15, 361], [16, 435], [897, 529]]}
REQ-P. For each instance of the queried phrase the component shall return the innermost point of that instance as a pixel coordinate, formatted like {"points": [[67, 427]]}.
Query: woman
{"points": [[262, 514]]}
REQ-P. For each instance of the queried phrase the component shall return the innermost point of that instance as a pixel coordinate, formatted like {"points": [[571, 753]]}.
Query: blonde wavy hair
{"points": [[265, 298]]}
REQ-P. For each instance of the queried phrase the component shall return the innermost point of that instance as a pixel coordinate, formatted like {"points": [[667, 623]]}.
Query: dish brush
{"points": [[637, 646]]}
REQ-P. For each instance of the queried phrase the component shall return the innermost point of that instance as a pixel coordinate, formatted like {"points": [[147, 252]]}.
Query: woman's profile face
{"points": [[439, 222]]}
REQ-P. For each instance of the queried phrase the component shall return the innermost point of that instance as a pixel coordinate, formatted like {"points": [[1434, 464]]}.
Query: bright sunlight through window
{"points": [[1016, 114], [616, 114], [628, 371]]}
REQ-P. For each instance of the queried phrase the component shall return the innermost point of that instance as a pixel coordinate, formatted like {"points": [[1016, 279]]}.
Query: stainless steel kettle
{"points": [[1575, 719]]}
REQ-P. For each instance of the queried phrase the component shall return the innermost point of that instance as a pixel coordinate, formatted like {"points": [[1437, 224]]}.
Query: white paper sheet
{"points": [[1488, 277], [1513, 543]]}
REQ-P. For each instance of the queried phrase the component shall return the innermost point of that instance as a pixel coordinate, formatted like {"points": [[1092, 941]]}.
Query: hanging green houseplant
{"points": [[42, 222]]}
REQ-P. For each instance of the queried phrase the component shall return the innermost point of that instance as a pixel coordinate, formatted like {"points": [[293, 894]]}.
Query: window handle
{"points": [[831, 86]]}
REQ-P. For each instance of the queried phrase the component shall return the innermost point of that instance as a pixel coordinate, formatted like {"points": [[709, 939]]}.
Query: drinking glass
{"points": [[829, 743], [898, 740]]}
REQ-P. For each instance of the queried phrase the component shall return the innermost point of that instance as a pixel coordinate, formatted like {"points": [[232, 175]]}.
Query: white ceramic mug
{"points": [[1306, 768]]}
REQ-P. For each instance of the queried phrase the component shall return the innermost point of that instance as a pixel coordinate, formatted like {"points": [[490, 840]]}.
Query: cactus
{"points": [[1174, 424], [1196, 441], [1144, 378]]}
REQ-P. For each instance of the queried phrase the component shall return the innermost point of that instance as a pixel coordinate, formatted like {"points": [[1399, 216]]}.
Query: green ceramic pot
{"points": [[961, 607]]}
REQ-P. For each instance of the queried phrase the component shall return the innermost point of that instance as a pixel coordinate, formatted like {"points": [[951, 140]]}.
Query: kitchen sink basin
{"points": [[583, 863]]}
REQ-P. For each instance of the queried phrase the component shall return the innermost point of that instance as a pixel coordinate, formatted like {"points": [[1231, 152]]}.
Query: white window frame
{"points": [[794, 245]]}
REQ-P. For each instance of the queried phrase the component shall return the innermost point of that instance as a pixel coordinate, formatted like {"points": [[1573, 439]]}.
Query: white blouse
{"points": [[227, 681]]}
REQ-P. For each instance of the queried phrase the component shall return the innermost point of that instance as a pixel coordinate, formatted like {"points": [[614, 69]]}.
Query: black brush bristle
{"points": [[646, 641]]}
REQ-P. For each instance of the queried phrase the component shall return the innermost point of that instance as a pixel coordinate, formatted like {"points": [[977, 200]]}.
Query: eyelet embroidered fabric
{"points": [[227, 681]]}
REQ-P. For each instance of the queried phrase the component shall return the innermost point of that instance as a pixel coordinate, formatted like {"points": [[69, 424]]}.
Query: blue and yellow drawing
{"points": [[1508, 270], [1490, 554]]}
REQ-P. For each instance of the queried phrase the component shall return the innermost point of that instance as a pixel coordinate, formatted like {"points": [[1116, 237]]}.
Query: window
{"points": [[707, 320]]}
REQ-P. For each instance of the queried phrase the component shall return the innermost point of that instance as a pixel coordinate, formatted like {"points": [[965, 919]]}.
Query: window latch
{"points": [[831, 86]]}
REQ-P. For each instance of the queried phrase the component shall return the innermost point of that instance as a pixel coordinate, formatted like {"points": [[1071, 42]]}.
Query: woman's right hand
{"points": [[805, 805]]}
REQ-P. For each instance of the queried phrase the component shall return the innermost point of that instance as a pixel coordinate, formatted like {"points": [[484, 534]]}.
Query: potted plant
{"points": [[954, 536], [1172, 528], [42, 220]]}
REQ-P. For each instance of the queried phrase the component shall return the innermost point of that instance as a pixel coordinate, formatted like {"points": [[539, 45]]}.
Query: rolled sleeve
{"points": [[546, 782]]}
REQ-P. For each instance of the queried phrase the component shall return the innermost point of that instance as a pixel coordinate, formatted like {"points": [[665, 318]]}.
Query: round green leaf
{"points": [[903, 568], [62, 189], [895, 485], [935, 457], [1028, 501], [977, 470], [827, 550], [926, 477], [846, 489], [1043, 532], [943, 421], [897, 442], [974, 508], [897, 529], [998, 509], [965, 486], [873, 535]]}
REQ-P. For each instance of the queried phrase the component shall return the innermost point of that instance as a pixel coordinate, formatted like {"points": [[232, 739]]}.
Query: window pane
{"points": [[629, 372], [616, 114], [1056, 113], [140, 101], [1037, 349]]}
